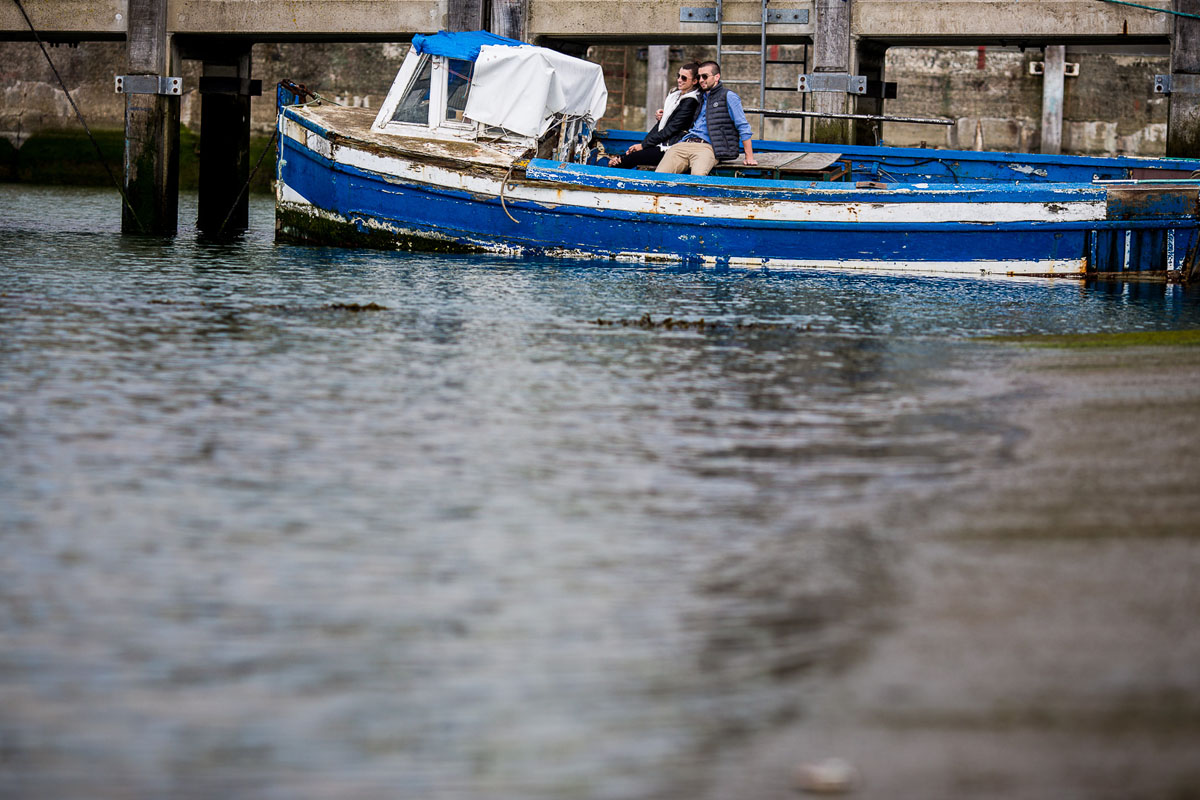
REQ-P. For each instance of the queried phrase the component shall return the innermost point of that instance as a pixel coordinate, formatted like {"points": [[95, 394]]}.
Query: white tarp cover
{"points": [[520, 89]]}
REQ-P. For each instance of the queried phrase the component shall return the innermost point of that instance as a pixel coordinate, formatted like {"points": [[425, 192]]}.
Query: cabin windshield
{"points": [[456, 89], [414, 104]]}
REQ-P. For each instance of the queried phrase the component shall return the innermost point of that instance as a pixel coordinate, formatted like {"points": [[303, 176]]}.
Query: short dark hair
{"points": [[692, 68], [716, 68]]}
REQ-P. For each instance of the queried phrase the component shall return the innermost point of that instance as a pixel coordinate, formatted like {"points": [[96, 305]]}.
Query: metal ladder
{"points": [[614, 60], [765, 18]]}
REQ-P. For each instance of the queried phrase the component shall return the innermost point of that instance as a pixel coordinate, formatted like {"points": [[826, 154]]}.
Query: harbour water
{"points": [[281, 521]]}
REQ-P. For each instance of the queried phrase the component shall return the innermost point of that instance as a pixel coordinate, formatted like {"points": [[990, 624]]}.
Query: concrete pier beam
{"points": [[225, 90], [1183, 104], [151, 165], [1053, 75]]}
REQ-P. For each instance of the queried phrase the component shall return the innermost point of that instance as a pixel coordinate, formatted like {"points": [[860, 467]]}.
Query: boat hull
{"points": [[333, 190]]}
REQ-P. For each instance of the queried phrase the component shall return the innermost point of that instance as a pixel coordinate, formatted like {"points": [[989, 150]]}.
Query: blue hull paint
{"points": [[370, 204], [364, 200]]}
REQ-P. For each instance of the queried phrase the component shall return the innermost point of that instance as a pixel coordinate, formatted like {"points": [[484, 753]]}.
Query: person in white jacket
{"points": [[678, 112]]}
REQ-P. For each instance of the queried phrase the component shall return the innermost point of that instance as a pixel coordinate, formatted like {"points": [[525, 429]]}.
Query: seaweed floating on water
{"points": [[356, 307], [276, 306], [670, 324]]}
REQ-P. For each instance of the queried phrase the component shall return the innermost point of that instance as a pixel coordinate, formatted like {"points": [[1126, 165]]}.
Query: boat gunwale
{"points": [[601, 178], [515, 203], [1169, 163]]}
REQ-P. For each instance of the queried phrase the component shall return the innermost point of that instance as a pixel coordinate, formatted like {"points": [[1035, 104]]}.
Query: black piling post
{"points": [[151, 124], [225, 91]]}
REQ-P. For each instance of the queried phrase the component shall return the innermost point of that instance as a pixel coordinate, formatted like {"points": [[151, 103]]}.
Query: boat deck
{"points": [[355, 124]]}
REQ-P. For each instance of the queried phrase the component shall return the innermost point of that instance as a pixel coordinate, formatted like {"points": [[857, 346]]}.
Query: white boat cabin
{"points": [[481, 86]]}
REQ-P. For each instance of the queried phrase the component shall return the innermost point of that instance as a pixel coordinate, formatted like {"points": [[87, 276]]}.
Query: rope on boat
{"points": [[246, 185], [504, 185], [1152, 8], [79, 115], [301, 91]]}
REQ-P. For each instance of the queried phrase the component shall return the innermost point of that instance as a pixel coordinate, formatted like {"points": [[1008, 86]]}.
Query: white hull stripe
{"points": [[1060, 266], [767, 210]]}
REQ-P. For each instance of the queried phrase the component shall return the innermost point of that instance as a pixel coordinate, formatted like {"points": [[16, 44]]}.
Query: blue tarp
{"points": [[458, 45]]}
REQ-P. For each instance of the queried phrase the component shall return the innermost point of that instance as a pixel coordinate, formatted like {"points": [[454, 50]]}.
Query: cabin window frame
{"points": [[410, 71]]}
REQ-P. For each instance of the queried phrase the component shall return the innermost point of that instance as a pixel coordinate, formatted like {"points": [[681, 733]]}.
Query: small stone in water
{"points": [[831, 776]]}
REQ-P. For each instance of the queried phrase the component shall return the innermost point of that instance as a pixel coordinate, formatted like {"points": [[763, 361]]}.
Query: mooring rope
{"points": [[503, 186], [79, 114], [246, 185], [1152, 8]]}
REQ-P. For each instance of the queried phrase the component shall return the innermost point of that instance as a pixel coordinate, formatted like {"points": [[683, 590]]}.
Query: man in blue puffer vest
{"points": [[715, 134]]}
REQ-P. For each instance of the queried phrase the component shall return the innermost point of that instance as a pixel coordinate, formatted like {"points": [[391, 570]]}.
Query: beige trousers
{"points": [[694, 157]]}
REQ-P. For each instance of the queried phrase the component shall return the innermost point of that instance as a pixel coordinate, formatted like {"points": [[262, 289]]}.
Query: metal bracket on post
{"points": [[1179, 82], [148, 84], [832, 82], [786, 16], [1070, 68]]}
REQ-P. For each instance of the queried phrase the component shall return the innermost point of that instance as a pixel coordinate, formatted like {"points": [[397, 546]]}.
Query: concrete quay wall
{"points": [[1109, 108]]}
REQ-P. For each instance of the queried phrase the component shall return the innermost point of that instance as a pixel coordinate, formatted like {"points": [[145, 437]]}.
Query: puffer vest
{"points": [[721, 131]]}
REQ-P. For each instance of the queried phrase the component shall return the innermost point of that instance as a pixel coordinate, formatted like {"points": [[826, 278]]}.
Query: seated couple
{"points": [[696, 129]]}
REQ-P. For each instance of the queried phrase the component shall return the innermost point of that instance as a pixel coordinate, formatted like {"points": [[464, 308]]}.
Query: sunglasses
{"points": [[706, 75]]}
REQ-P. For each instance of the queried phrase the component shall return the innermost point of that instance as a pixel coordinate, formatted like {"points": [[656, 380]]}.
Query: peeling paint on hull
{"points": [[334, 189]]}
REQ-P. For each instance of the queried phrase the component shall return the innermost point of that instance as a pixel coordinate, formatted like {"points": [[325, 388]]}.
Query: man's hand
{"points": [[634, 148], [658, 114]]}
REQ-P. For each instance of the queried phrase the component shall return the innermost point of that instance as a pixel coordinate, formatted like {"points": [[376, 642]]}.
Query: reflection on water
{"points": [[259, 541]]}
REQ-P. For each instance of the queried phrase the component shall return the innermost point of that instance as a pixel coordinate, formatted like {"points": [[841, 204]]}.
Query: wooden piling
{"points": [[831, 53], [151, 128], [658, 79], [511, 18], [1054, 59], [464, 15], [1183, 105]]}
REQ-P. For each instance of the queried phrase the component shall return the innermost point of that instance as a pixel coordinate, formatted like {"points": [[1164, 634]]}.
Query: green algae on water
{"points": [[1181, 338]]}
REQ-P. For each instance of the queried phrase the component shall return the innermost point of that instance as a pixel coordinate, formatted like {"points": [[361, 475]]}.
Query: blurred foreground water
{"points": [[300, 522]]}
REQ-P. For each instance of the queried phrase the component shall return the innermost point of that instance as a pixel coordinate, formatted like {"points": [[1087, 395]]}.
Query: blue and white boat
{"points": [[482, 145]]}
